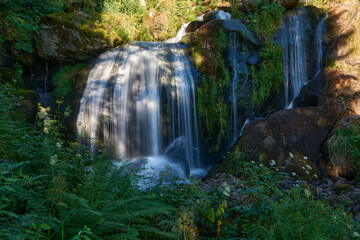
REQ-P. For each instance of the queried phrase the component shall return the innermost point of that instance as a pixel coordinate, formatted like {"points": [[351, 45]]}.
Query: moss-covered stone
{"points": [[61, 40]]}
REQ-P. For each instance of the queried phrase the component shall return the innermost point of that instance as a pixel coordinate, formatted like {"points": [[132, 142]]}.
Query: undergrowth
{"points": [[65, 80], [344, 147], [52, 188]]}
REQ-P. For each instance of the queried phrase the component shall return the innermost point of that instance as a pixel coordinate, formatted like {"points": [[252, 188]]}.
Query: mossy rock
{"points": [[61, 40], [7, 74]]}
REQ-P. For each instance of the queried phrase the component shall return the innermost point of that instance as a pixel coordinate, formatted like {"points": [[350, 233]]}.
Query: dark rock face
{"points": [[61, 41], [311, 93]]}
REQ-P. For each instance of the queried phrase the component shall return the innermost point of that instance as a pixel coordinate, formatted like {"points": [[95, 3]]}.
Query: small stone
{"points": [[343, 187]]}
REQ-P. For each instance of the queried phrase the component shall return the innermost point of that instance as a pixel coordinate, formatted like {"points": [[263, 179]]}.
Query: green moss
{"points": [[65, 80], [269, 77], [211, 94]]}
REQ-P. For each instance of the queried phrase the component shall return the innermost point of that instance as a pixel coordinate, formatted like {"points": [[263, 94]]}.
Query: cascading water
{"points": [[234, 47], [141, 101], [292, 40], [300, 44], [320, 29]]}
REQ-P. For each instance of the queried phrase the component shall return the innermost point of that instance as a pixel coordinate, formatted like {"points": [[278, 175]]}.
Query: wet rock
{"points": [[60, 40], [195, 25], [254, 59], [311, 93], [236, 25]]}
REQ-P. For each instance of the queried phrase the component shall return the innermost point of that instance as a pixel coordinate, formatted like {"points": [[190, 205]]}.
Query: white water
{"points": [[141, 100], [320, 29], [181, 33], [234, 42], [292, 40]]}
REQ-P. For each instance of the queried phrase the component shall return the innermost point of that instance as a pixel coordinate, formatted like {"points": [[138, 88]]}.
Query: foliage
{"points": [[264, 19], [19, 19], [56, 189], [269, 77], [298, 216], [344, 146], [211, 94], [65, 79]]}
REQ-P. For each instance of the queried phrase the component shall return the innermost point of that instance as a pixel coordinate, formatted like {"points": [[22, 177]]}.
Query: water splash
{"points": [[140, 100]]}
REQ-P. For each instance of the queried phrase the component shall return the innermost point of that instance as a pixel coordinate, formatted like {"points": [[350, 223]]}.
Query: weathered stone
{"points": [[238, 26], [294, 135], [62, 41], [195, 25]]}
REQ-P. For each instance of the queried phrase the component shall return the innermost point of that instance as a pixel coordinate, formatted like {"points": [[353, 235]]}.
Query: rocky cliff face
{"points": [[334, 93]]}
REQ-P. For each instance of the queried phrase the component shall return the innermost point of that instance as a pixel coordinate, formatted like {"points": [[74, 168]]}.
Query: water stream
{"points": [[141, 101]]}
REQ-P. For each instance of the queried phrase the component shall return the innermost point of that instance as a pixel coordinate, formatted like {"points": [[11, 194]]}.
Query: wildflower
{"points": [[272, 163], [58, 145], [307, 193], [291, 155], [293, 173], [47, 123], [252, 162], [356, 234], [303, 168], [277, 169], [260, 165], [308, 167], [315, 176], [307, 172], [305, 158], [43, 112], [53, 159]]}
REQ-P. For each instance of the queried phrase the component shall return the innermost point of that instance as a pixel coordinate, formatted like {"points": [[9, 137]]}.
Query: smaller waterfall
{"points": [[233, 48], [179, 35], [320, 29], [292, 39]]}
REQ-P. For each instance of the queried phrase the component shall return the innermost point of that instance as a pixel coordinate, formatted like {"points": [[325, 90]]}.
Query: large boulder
{"points": [[60, 40], [293, 138]]}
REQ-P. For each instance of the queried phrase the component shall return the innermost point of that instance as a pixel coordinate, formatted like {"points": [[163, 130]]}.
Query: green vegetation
{"points": [[65, 79], [211, 94], [116, 21], [264, 21], [52, 188], [344, 147], [270, 76]]}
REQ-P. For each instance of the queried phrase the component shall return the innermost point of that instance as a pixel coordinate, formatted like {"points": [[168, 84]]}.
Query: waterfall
{"points": [[320, 29], [233, 48], [292, 40], [141, 101]]}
